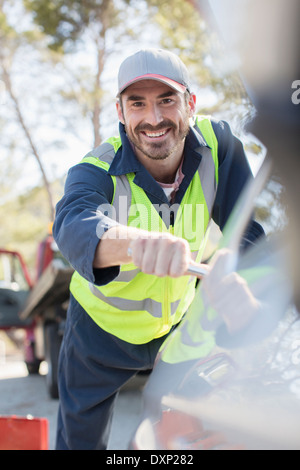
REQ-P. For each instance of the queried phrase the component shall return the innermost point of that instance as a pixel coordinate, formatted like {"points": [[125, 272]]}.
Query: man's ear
{"points": [[192, 104], [120, 112]]}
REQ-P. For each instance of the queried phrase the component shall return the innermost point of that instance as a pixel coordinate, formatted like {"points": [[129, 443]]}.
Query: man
{"points": [[132, 220]]}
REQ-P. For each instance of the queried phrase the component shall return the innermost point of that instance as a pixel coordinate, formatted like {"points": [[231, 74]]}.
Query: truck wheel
{"points": [[33, 367], [52, 346], [30, 359]]}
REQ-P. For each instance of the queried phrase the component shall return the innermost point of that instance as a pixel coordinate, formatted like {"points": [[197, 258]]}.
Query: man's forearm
{"points": [[113, 246]]}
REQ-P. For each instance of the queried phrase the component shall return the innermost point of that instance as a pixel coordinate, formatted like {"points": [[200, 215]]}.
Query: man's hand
{"points": [[229, 294], [160, 254]]}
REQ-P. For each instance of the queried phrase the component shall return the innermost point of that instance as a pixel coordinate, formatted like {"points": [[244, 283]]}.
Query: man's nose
{"points": [[154, 115]]}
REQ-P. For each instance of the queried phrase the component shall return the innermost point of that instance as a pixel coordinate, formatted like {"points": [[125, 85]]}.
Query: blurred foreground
{"points": [[229, 377]]}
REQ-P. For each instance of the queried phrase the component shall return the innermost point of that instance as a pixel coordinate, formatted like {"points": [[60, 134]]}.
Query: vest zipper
{"points": [[166, 313]]}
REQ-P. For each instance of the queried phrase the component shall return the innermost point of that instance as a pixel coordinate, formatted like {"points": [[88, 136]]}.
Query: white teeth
{"points": [[155, 134]]}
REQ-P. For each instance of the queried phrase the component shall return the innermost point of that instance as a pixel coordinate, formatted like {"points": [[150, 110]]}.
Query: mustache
{"points": [[162, 125]]}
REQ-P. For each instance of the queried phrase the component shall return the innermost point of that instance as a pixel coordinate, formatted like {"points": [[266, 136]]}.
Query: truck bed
{"points": [[52, 288]]}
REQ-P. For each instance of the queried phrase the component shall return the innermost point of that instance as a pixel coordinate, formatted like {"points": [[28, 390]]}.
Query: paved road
{"points": [[23, 395]]}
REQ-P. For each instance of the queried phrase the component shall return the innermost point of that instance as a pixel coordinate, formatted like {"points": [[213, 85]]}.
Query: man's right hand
{"points": [[160, 254]]}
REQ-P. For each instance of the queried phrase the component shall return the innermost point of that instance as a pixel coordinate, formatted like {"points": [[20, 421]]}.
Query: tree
{"points": [[100, 24], [107, 24], [10, 42]]}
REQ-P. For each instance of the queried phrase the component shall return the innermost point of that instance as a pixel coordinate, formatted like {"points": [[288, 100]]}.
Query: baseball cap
{"points": [[154, 64]]}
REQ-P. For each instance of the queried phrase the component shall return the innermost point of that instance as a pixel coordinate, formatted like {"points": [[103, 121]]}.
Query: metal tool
{"points": [[196, 270]]}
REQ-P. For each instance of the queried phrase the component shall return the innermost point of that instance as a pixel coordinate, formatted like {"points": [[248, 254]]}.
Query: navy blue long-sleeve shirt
{"points": [[78, 225]]}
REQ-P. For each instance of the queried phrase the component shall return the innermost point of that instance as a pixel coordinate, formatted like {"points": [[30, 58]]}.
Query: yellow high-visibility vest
{"points": [[138, 307]]}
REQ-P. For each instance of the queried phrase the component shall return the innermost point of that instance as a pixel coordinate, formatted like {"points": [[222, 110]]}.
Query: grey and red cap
{"points": [[153, 64]]}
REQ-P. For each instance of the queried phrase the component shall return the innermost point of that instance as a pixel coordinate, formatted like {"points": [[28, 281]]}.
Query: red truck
{"points": [[38, 306]]}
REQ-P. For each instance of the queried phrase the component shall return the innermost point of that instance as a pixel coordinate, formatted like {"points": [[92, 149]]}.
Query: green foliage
{"points": [[182, 30], [178, 27], [25, 222], [6, 30], [65, 20], [56, 19]]}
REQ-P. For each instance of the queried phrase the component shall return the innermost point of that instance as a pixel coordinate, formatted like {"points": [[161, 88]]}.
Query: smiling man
{"points": [[131, 221], [156, 120]]}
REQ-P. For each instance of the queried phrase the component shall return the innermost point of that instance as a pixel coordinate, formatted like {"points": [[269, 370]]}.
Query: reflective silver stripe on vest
{"points": [[122, 199], [105, 152], [149, 305], [207, 174], [127, 276]]}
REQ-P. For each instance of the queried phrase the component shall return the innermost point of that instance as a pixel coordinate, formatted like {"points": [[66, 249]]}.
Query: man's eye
{"points": [[137, 104], [167, 101]]}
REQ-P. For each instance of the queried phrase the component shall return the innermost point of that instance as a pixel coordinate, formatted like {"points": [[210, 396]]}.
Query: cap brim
{"points": [[160, 78]]}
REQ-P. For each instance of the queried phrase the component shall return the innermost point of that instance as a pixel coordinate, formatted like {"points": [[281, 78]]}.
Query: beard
{"points": [[159, 150]]}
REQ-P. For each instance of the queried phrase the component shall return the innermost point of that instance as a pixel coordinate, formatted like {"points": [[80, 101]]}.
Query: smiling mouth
{"points": [[156, 135]]}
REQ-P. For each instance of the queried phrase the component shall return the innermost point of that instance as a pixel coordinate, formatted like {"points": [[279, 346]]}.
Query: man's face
{"points": [[156, 118]]}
